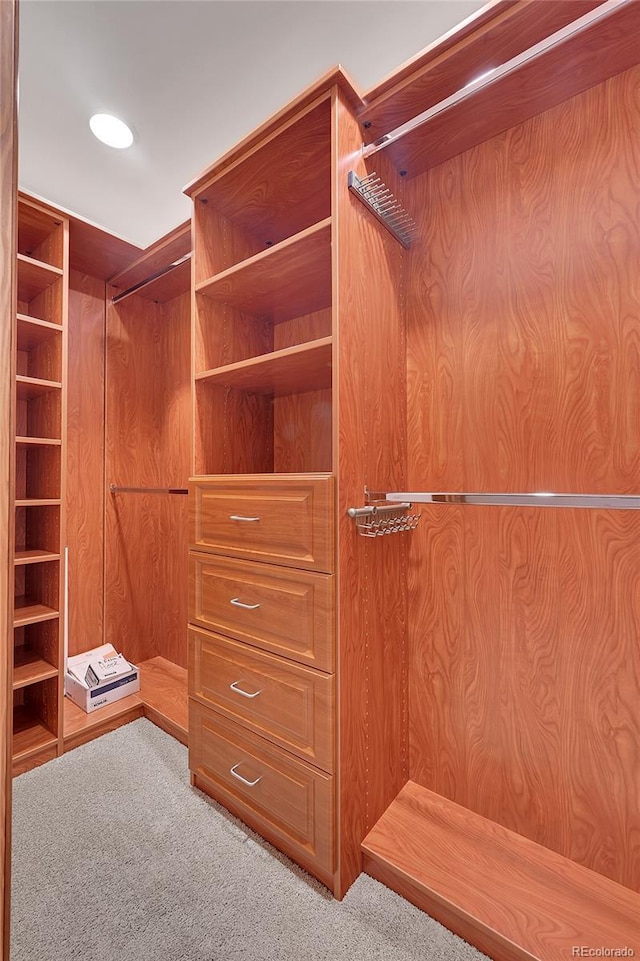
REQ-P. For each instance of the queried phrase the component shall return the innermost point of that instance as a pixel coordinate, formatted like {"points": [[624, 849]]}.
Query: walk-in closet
{"points": [[348, 465]]}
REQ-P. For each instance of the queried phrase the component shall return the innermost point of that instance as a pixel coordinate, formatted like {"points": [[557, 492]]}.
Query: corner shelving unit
{"points": [[41, 368]]}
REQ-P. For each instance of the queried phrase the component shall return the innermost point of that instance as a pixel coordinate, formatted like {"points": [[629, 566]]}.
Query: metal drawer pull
{"points": [[232, 770], [247, 607], [239, 690], [239, 517]]}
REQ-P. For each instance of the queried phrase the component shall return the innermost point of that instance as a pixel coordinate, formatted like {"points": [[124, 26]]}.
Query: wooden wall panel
{"points": [[370, 449], [523, 311], [8, 240], [85, 461], [148, 445]]}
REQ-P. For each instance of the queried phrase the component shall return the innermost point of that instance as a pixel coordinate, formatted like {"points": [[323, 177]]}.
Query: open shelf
{"points": [[29, 668], [40, 234], [281, 188], [162, 698], [38, 441], [29, 610], [280, 283], [37, 528], [30, 735], [27, 388], [34, 277], [35, 557], [508, 896], [32, 331], [294, 370], [172, 282]]}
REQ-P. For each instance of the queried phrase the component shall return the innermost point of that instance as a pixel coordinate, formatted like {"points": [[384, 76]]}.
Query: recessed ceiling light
{"points": [[111, 131]]}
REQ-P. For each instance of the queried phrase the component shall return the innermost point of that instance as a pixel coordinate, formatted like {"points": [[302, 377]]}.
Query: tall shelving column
{"points": [[41, 371]]}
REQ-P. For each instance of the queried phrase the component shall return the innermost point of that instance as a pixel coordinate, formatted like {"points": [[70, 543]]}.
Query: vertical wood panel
{"points": [[524, 374], [370, 449], [148, 445], [8, 194], [85, 461]]}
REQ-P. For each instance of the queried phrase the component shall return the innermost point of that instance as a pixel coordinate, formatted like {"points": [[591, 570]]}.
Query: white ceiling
{"points": [[191, 77]]}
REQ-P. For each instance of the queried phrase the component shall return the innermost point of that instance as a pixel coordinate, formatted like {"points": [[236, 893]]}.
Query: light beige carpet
{"points": [[116, 858]]}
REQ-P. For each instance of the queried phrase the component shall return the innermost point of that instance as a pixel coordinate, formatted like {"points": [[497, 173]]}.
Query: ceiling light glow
{"points": [[111, 131]]}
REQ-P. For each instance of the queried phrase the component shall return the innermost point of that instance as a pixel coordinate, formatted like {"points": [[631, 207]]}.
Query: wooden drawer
{"points": [[284, 799], [287, 612], [291, 705], [276, 518]]}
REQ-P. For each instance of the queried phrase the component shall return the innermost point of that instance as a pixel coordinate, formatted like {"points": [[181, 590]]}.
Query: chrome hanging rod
{"points": [[147, 490], [559, 37], [148, 280], [619, 502]]}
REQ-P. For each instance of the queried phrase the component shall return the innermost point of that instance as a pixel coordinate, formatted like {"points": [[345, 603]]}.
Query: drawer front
{"points": [[287, 612], [291, 705], [277, 519], [283, 798]]}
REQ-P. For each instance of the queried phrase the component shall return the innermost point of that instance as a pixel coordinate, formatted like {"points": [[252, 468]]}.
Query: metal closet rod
{"points": [[470, 89], [619, 502], [147, 490]]}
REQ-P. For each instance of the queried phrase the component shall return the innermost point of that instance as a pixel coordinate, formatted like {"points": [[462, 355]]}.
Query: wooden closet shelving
{"points": [[41, 341], [293, 370]]}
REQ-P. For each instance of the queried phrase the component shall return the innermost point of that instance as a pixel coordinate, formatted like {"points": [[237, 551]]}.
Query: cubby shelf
{"points": [[294, 370], [29, 668], [284, 281], [34, 277], [32, 331], [38, 502], [35, 557], [30, 736], [29, 387], [28, 610], [39, 441]]}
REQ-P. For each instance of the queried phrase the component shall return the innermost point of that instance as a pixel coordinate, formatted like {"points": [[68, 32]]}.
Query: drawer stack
{"points": [[262, 656]]}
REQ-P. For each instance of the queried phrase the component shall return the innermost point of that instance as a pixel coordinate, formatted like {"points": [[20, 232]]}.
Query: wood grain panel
{"points": [[369, 449], [523, 313], [147, 416], [85, 462], [513, 899], [8, 300], [599, 52], [302, 426]]}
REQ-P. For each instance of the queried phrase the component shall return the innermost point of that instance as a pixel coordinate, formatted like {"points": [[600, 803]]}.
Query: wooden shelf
{"points": [[34, 277], [35, 227], [29, 611], [294, 370], [29, 668], [162, 698], [285, 281], [38, 502], [35, 557], [508, 896], [29, 387], [30, 736], [32, 332], [39, 441], [172, 283]]}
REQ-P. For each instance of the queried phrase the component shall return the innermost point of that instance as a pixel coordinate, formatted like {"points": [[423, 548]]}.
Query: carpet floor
{"points": [[116, 858]]}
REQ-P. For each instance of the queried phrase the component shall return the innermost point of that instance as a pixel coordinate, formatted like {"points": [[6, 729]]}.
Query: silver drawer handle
{"points": [[239, 517], [232, 770], [238, 690], [247, 607]]}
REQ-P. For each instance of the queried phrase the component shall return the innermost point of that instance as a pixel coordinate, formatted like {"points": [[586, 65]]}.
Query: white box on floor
{"points": [[105, 692]]}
